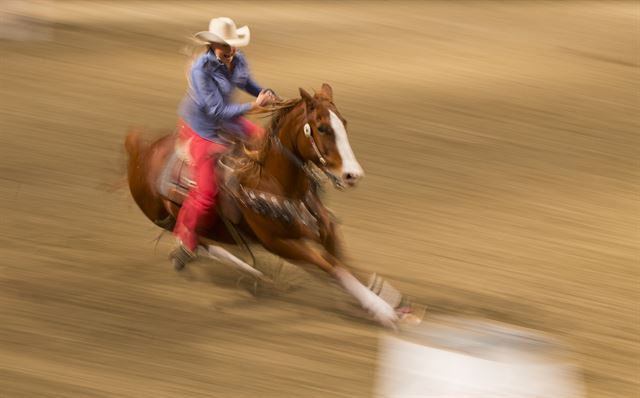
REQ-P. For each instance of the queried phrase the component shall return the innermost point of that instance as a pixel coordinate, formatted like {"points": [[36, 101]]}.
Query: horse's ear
{"points": [[308, 99], [306, 96], [327, 91]]}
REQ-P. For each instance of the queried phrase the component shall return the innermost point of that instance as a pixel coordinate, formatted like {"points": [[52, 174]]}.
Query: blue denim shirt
{"points": [[207, 108]]}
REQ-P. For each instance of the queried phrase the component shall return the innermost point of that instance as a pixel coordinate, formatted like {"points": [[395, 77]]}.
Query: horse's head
{"points": [[324, 139]]}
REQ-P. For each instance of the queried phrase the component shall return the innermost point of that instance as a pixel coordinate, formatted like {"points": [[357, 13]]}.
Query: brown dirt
{"points": [[500, 142]]}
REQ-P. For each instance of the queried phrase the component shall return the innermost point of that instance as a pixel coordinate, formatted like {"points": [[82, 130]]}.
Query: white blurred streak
{"points": [[25, 20], [448, 357]]}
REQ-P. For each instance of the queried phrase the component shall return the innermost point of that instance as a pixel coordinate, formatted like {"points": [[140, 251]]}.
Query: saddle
{"points": [[175, 180]]}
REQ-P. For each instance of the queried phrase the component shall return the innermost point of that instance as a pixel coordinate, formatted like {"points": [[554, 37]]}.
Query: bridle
{"points": [[312, 141], [300, 163]]}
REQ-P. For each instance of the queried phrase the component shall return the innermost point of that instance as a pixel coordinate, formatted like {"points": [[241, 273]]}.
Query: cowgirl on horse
{"points": [[276, 195], [206, 112]]}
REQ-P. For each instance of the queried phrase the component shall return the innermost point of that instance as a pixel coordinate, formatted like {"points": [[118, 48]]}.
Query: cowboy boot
{"points": [[181, 256]]}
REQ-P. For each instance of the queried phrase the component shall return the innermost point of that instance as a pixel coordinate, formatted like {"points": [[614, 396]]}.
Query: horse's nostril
{"points": [[350, 177]]}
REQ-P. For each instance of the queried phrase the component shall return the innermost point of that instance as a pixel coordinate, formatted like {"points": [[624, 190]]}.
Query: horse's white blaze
{"points": [[349, 163]]}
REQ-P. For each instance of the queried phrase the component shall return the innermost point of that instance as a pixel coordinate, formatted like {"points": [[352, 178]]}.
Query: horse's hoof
{"points": [[409, 320], [411, 315]]}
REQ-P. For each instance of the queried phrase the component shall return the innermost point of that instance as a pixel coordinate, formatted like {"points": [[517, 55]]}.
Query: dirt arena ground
{"points": [[501, 146]]}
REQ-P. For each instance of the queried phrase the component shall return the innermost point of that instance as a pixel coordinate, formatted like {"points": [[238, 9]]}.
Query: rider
{"points": [[205, 112]]}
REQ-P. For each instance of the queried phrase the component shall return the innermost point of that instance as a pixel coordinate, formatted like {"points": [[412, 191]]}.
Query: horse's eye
{"points": [[324, 129]]}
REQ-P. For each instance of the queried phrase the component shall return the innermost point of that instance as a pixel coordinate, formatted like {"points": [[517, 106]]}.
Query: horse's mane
{"points": [[277, 113], [249, 163]]}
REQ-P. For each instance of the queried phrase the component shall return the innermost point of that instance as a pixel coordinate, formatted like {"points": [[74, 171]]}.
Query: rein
{"points": [[313, 176]]}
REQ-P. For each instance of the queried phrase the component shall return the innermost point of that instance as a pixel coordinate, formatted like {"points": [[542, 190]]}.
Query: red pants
{"points": [[198, 210]]}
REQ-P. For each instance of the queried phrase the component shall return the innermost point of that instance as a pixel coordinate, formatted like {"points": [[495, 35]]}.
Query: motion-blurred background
{"points": [[500, 142]]}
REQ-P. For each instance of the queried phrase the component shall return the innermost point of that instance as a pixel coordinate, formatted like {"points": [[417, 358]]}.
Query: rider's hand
{"points": [[261, 100], [266, 97], [273, 95]]}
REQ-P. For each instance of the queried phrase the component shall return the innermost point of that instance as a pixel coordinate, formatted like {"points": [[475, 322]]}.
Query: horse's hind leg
{"points": [[224, 256], [298, 251]]}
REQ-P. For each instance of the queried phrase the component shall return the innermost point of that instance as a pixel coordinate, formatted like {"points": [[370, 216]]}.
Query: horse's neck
{"points": [[291, 177]]}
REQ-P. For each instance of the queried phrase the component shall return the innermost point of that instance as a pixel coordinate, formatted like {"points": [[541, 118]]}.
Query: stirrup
{"points": [[181, 256]]}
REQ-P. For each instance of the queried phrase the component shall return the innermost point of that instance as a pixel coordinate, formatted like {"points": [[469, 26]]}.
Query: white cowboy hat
{"points": [[223, 30]]}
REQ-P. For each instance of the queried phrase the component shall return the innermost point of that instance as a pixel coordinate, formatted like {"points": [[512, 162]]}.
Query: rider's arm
{"points": [[252, 87], [212, 99], [249, 85]]}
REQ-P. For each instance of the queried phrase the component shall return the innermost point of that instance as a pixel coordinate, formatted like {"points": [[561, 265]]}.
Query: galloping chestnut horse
{"points": [[275, 193]]}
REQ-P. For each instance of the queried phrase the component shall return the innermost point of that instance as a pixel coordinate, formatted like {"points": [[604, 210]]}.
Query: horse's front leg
{"points": [[332, 241], [298, 251], [329, 236]]}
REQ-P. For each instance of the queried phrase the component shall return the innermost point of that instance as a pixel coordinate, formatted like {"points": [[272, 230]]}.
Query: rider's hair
{"points": [[192, 50]]}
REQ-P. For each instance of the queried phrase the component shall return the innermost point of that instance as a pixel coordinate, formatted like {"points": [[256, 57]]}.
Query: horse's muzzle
{"points": [[350, 179]]}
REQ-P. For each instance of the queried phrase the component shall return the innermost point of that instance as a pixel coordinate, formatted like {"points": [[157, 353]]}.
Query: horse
{"points": [[274, 197]]}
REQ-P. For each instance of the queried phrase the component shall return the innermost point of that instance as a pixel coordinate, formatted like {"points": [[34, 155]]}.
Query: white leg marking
{"points": [[377, 307], [221, 254]]}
